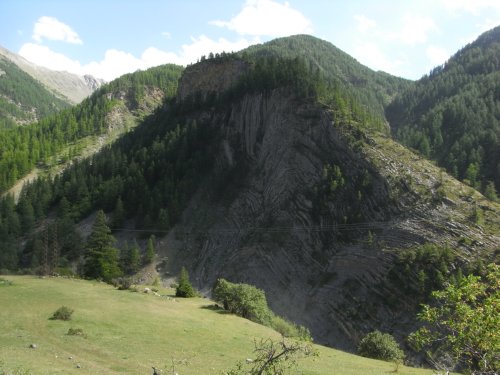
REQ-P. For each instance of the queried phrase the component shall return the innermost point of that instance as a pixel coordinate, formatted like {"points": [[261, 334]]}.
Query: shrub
{"points": [[250, 302], [123, 283], [76, 332], [184, 289], [4, 282], [62, 313], [289, 329], [244, 300], [380, 345]]}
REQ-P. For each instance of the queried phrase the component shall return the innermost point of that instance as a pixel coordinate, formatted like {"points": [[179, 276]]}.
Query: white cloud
{"points": [[364, 23], [267, 18], [371, 55], [204, 45], [44, 56], [52, 29], [116, 63], [470, 6], [436, 55], [416, 29]]}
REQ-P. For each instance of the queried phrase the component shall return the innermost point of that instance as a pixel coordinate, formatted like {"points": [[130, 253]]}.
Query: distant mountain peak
{"points": [[92, 82], [71, 87]]}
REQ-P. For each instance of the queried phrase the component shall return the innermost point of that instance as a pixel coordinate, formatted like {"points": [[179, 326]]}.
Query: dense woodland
{"points": [[22, 148], [453, 114], [22, 98], [145, 179]]}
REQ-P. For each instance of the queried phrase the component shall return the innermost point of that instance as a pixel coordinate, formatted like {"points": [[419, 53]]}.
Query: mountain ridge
{"points": [[452, 115], [68, 86]]}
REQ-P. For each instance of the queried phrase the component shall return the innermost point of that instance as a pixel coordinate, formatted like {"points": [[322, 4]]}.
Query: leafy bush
{"points": [[184, 289], [250, 302], [62, 313], [244, 300], [380, 345], [463, 321]]}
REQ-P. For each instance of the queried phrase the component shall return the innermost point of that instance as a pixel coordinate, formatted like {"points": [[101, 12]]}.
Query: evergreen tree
{"points": [[184, 288], [149, 256], [118, 214], [131, 258], [101, 259]]}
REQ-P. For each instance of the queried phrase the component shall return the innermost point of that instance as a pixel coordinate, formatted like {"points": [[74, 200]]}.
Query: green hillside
{"points": [[22, 148], [453, 114], [23, 99], [358, 84], [128, 333]]}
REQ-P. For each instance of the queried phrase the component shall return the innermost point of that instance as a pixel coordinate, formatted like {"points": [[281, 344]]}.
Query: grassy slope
{"points": [[128, 332]]}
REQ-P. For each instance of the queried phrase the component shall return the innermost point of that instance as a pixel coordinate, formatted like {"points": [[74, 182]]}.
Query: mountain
{"points": [[23, 99], [268, 169], [359, 85], [79, 131], [67, 86], [452, 115]]}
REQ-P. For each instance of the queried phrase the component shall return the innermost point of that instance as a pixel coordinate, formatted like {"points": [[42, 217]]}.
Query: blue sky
{"points": [[107, 38]]}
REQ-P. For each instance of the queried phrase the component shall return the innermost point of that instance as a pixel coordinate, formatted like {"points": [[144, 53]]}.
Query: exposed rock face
{"points": [[92, 82], [209, 76], [277, 216]]}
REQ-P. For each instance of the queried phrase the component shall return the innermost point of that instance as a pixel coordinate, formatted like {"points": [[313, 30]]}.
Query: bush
{"points": [[380, 345], [289, 329], [4, 282], [244, 300], [123, 283], [76, 332], [62, 313], [250, 302]]}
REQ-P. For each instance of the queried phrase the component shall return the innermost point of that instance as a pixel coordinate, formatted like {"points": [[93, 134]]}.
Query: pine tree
{"points": [[184, 289], [149, 256], [102, 258], [118, 214], [131, 258]]}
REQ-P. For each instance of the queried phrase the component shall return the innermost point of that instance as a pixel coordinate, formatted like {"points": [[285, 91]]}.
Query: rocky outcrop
{"points": [[312, 211], [92, 82], [210, 76]]}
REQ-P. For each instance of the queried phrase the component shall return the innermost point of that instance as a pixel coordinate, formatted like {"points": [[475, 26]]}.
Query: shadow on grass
{"points": [[215, 308]]}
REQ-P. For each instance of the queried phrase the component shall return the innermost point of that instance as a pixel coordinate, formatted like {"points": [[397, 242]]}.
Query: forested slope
{"points": [[23, 99], [22, 148], [452, 115]]}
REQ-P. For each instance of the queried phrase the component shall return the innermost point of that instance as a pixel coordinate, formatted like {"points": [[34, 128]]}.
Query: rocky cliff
{"points": [[315, 211]]}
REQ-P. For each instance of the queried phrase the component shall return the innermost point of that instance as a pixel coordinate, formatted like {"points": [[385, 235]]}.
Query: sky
{"points": [[108, 38]]}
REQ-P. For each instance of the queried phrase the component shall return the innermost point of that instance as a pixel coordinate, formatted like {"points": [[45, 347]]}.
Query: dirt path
{"points": [[18, 187]]}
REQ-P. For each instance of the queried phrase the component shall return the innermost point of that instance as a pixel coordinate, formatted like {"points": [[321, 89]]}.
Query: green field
{"points": [[129, 332]]}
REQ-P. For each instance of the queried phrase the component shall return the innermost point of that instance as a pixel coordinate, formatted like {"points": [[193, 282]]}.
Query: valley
{"points": [[279, 166]]}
